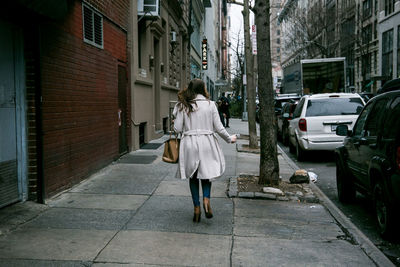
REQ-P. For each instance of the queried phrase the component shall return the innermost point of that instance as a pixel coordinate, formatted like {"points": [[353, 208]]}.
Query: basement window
{"points": [[92, 26]]}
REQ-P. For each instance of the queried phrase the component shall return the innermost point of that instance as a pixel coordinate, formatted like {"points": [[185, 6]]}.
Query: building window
{"points": [[278, 50], [389, 7], [366, 67], [367, 8], [367, 34], [278, 32], [387, 53], [141, 42], [195, 36], [398, 51], [194, 70], [278, 40], [92, 27]]}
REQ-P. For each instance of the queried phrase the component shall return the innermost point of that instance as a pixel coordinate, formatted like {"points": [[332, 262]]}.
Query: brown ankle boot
{"points": [[197, 214], [207, 208]]}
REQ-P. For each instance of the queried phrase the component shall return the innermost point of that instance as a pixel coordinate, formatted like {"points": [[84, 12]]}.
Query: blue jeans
{"points": [[194, 189]]}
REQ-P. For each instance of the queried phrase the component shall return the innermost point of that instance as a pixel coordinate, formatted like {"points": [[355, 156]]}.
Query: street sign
{"points": [[204, 54], [254, 39]]}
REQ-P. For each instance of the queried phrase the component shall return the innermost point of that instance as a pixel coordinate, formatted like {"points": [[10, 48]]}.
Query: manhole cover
{"points": [[151, 146], [136, 159]]}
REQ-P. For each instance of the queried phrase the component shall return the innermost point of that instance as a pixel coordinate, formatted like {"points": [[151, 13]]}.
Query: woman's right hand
{"points": [[233, 138]]}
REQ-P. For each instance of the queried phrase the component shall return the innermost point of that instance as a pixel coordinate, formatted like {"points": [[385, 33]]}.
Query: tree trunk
{"points": [[269, 165], [251, 90]]}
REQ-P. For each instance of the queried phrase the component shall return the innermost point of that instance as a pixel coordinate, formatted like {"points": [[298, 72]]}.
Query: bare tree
{"points": [[238, 71], [250, 79], [251, 89], [269, 165], [310, 31]]}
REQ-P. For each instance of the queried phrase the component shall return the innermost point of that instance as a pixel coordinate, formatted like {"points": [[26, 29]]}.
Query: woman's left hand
{"points": [[233, 138]]}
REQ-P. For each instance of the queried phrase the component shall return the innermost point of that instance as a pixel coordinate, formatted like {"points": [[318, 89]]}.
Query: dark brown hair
{"points": [[186, 96]]}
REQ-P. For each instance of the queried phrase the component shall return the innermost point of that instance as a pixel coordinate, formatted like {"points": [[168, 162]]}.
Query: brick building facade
{"points": [[83, 82], [72, 93]]}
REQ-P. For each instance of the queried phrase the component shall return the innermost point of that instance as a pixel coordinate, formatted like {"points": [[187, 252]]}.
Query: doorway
{"points": [[157, 85], [13, 185], [122, 83]]}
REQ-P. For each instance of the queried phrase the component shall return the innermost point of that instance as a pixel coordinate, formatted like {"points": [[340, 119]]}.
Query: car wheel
{"points": [[383, 212], [292, 148], [278, 134], [300, 153], [345, 186]]}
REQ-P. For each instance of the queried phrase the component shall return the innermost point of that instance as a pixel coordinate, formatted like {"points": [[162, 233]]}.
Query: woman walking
{"points": [[200, 156]]}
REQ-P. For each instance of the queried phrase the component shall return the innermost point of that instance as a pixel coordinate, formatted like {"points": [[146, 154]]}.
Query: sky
{"points": [[236, 26], [235, 13]]}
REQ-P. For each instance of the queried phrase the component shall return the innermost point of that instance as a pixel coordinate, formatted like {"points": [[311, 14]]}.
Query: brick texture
{"points": [[80, 95], [31, 85]]}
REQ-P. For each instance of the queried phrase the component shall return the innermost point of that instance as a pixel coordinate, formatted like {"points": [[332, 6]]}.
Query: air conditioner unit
{"points": [[149, 8]]}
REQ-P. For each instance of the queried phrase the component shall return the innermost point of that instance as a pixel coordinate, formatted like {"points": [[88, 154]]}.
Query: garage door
{"points": [[8, 146]]}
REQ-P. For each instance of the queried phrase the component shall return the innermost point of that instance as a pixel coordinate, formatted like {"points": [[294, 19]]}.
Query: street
{"points": [[360, 212]]}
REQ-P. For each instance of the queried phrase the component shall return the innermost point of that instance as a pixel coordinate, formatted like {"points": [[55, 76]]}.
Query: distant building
{"points": [[389, 40], [159, 64], [366, 46], [276, 41]]}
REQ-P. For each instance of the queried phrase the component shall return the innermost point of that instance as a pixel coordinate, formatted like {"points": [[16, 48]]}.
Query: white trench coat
{"points": [[199, 147]]}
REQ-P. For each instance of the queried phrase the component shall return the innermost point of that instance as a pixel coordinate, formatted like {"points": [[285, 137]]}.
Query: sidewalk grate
{"points": [[151, 146], [136, 159]]}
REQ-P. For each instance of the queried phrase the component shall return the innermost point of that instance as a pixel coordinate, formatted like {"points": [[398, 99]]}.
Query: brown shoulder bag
{"points": [[171, 149]]}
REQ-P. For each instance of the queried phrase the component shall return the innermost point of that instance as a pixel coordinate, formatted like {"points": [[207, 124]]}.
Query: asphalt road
{"points": [[360, 212]]}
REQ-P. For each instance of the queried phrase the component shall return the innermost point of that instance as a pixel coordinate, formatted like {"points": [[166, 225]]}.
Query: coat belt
{"points": [[198, 132], [182, 154]]}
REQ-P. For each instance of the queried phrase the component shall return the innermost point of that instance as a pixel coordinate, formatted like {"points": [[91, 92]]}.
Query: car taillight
{"points": [[303, 125], [398, 158]]}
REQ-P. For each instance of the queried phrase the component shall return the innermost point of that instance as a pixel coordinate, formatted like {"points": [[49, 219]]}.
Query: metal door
{"points": [[8, 142]]}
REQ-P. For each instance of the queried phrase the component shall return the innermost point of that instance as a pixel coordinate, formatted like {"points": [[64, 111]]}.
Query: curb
{"points": [[287, 196], [361, 239]]}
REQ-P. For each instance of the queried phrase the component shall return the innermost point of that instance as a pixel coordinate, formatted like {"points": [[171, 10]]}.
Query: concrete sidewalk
{"points": [[132, 214]]}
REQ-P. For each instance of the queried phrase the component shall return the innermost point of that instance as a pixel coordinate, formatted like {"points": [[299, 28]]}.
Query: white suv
{"points": [[315, 120]]}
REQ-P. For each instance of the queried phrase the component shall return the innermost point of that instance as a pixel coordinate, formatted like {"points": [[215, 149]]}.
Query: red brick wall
{"points": [[80, 97], [115, 10], [31, 85]]}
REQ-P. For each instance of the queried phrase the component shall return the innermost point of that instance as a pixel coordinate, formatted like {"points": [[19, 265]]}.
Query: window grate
{"points": [[92, 27]]}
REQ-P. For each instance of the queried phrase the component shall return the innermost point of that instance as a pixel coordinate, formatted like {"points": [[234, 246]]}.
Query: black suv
{"points": [[369, 160]]}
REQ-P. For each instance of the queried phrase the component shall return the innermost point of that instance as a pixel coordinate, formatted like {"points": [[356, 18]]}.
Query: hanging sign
{"points": [[204, 54]]}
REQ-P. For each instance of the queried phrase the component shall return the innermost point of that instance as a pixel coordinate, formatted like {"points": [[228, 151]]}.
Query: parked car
{"points": [[366, 96], [280, 99], [283, 121], [369, 160], [390, 86], [315, 120]]}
